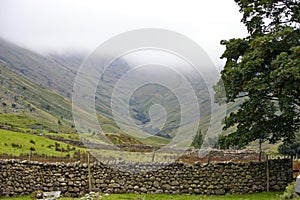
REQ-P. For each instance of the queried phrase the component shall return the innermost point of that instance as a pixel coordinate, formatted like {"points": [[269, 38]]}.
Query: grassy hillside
{"points": [[43, 80], [30, 108], [14, 143], [57, 72], [24, 104]]}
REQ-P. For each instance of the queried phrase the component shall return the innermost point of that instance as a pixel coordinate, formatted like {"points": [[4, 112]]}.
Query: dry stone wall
{"points": [[24, 177]]}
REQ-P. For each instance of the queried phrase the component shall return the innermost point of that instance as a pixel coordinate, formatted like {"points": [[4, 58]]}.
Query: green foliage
{"points": [[289, 148], [262, 16], [264, 70], [38, 194], [32, 149], [14, 145], [122, 139], [289, 192], [198, 140]]}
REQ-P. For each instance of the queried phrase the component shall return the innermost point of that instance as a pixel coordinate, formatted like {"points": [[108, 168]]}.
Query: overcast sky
{"points": [[70, 25]]}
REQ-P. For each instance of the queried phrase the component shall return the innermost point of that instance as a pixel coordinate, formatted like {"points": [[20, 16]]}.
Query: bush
{"points": [[197, 140], [37, 194], [14, 145], [289, 192], [50, 146]]}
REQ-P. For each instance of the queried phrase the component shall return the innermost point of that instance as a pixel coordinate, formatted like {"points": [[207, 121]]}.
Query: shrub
{"points": [[50, 146], [289, 192], [32, 142], [198, 140], [48, 107], [37, 194], [57, 149], [14, 145]]}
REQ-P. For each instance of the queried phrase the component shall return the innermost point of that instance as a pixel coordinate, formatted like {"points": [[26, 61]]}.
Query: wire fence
{"points": [[110, 157], [83, 157]]}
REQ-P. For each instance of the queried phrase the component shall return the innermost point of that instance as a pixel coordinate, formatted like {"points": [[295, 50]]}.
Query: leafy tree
{"points": [[264, 70], [197, 140], [290, 148]]}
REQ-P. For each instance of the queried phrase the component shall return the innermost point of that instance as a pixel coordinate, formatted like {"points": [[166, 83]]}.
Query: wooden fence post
{"points": [[29, 156], [268, 173], [153, 155], [89, 172], [209, 157]]}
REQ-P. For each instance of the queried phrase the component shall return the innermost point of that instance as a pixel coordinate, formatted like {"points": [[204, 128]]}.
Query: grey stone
{"points": [[136, 188], [297, 188]]}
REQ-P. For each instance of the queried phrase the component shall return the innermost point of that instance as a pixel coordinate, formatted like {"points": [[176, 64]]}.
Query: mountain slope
{"points": [[32, 102], [29, 107], [40, 69], [56, 74]]}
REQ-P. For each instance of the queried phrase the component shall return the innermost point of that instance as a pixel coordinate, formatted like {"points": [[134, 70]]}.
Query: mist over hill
{"points": [[57, 73]]}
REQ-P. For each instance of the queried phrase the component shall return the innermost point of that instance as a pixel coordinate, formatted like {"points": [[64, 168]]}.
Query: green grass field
{"points": [[14, 120], [70, 136], [14, 143], [258, 196], [154, 140]]}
